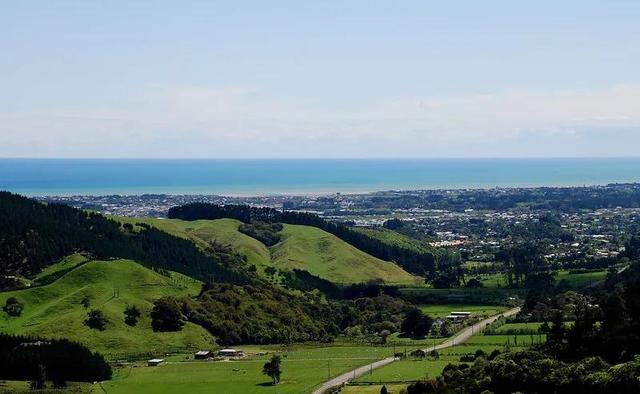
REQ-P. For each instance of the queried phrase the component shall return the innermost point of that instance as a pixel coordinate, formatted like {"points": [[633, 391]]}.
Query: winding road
{"points": [[459, 338]]}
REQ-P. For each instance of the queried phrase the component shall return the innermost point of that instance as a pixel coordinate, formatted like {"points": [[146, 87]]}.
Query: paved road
{"points": [[461, 337]]}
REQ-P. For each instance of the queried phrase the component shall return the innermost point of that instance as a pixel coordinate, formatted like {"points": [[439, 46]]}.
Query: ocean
{"points": [[40, 177]]}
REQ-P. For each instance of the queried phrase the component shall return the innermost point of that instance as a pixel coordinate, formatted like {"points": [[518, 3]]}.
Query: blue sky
{"points": [[319, 79]]}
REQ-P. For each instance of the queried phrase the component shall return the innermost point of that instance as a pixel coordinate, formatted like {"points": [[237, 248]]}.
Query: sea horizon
{"points": [[261, 177]]}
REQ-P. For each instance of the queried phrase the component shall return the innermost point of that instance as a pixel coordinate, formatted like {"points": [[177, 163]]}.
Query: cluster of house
{"points": [[204, 355]]}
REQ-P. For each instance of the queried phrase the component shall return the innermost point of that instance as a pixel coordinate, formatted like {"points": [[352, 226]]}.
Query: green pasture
{"points": [[442, 310]]}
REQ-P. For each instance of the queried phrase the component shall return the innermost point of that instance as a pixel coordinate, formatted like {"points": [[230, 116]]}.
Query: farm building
{"points": [[459, 315], [230, 353], [154, 362], [203, 355]]}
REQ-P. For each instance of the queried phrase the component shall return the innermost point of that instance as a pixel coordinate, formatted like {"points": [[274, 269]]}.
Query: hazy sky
{"points": [[319, 78]]}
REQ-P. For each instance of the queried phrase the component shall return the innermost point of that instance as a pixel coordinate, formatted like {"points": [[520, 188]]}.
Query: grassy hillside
{"points": [[223, 231], [303, 247], [328, 257], [391, 237], [55, 309]]}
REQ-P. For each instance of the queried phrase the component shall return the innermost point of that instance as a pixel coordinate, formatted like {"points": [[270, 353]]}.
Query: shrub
{"points": [[13, 307], [96, 319], [131, 315]]}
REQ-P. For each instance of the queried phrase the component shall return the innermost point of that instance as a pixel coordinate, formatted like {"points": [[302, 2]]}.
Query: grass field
{"points": [[328, 257], [534, 326], [575, 280], [54, 310], [303, 247], [411, 370], [395, 238], [407, 371], [581, 279], [303, 368], [442, 310], [373, 389]]}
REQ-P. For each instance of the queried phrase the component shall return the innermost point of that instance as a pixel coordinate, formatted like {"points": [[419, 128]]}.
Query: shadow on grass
{"points": [[265, 384]]}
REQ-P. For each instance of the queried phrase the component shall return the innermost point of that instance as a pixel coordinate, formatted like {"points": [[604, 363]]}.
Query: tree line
{"points": [[57, 360]]}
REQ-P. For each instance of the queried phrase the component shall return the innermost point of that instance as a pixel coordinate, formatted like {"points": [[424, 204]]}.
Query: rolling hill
{"points": [[223, 231], [328, 257], [395, 238], [303, 247], [54, 310]]}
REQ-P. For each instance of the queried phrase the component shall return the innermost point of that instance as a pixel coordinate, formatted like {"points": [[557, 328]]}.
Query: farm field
{"points": [[303, 369], [580, 279], [514, 327], [373, 389], [574, 279], [469, 296], [442, 310], [55, 310], [407, 371], [411, 369]]}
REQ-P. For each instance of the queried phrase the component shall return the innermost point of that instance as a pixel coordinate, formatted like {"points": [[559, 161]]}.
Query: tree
{"points": [[416, 324], [383, 336], [474, 283], [96, 319], [39, 381], [557, 330], [131, 315], [273, 369], [384, 390], [13, 307], [166, 315]]}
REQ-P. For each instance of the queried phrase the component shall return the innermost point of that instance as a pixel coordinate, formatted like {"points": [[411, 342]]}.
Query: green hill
{"points": [[304, 247], [223, 231], [54, 310], [328, 257], [391, 237]]}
